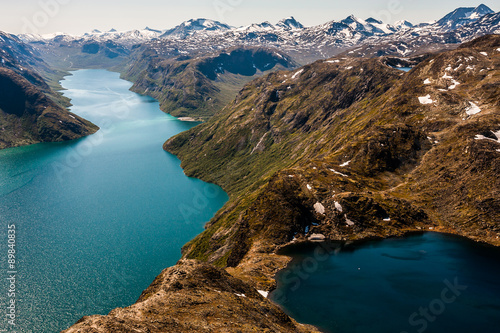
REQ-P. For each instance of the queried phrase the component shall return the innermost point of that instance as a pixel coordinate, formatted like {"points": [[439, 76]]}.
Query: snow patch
{"points": [[332, 61], [317, 237], [240, 295], [484, 53], [319, 208], [338, 173], [263, 293], [309, 187], [338, 206], [472, 109], [427, 81], [350, 67], [345, 164], [482, 137], [454, 85], [349, 222], [297, 74], [387, 219], [425, 100]]}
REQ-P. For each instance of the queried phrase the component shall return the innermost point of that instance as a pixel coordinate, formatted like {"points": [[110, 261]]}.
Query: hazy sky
{"points": [[79, 16]]}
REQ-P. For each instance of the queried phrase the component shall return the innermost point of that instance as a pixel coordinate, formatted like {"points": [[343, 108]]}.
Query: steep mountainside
{"points": [[353, 149], [197, 87], [342, 149], [30, 110], [28, 116]]}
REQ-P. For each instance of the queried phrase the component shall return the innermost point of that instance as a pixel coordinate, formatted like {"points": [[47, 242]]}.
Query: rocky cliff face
{"points": [[28, 116]]}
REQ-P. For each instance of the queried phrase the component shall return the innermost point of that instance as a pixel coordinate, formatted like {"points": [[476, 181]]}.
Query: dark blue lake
{"points": [[422, 283], [99, 218]]}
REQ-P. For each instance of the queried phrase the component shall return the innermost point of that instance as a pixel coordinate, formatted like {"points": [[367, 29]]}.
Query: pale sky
{"points": [[80, 16]]}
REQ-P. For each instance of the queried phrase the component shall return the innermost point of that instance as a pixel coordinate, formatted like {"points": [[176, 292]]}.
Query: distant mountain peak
{"points": [[152, 30], [372, 20], [484, 9], [351, 18], [289, 23], [200, 24], [403, 24], [462, 16]]}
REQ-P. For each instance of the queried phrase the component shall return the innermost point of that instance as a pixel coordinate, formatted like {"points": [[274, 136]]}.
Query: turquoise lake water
{"points": [[430, 283], [97, 219]]}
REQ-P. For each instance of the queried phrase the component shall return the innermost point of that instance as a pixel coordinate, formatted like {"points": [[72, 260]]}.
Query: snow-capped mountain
{"points": [[290, 36], [370, 26], [462, 16], [289, 23], [192, 26], [403, 25]]}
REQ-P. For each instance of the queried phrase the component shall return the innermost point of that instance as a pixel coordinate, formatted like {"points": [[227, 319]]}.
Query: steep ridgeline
{"points": [[351, 149], [344, 149], [195, 297], [26, 61], [30, 111], [198, 86], [28, 116], [464, 24]]}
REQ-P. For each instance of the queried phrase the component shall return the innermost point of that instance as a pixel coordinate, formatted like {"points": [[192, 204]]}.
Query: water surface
{"points": [[98, 218], [423, 283]]}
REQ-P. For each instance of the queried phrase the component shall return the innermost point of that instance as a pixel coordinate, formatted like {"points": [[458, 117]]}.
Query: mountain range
{"points": [[306, 44]]}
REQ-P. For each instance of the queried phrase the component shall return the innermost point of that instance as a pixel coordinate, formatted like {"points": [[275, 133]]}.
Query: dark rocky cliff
{"points": [[28, 116]]}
